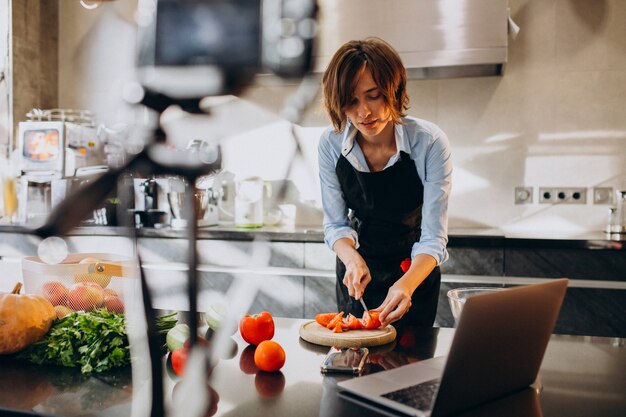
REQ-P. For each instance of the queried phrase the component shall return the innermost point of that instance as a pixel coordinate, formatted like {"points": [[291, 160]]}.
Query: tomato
{"points": [[179, 360], [269, 356], [372, 322], [353, 323], [179, 356], [324, 318], [337, 319], [257, 328], [405, 264], [338, 328]]}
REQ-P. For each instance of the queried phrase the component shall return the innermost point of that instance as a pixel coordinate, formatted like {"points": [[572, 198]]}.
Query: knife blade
{"points": [[366, 310]]}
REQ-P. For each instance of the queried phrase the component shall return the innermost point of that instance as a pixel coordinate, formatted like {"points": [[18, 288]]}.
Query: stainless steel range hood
{"points": [[436, 38]]}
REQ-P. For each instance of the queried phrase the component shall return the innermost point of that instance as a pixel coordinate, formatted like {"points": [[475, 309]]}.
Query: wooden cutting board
{"points": [[312, 332]]}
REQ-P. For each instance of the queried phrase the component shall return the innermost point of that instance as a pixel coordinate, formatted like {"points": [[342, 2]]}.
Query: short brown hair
{"points": [[385, 65]]}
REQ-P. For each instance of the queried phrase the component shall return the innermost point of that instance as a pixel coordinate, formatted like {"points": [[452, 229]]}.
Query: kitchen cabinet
{"points": [[595, 303], [280, 290]]}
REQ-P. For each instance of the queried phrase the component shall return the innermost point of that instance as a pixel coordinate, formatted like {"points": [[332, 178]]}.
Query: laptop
{"points": [[497, 349]]}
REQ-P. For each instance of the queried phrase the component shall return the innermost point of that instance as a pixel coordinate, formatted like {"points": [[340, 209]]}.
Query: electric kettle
{"points": [[249, 202]]}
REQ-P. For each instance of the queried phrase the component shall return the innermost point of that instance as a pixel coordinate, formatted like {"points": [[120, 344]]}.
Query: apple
{"points": [[85, 296], [101, 279], [55, 292], [62, 311], [113, 304], [111, 292], [89, 261]]}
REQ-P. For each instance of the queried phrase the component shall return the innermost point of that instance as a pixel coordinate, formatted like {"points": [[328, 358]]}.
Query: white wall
{"points": [[556, 118]]}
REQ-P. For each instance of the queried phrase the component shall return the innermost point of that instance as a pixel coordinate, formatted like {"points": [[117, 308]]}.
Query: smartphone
{"points": [[345, 360]]}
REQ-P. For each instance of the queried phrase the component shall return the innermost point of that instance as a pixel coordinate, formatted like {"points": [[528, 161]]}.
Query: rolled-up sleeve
{"points": [[437, 174], [335, 210]]}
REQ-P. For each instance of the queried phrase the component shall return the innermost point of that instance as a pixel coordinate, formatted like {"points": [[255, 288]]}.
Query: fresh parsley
{"points": [[95, 341]]}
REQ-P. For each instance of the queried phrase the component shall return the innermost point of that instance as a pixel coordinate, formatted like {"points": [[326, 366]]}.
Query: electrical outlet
{"points": [[562, 195], [523, 195], [602, 195]]}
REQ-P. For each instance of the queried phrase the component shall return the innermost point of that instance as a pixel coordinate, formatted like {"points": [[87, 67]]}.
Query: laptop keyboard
{"points": [[419, 396]]}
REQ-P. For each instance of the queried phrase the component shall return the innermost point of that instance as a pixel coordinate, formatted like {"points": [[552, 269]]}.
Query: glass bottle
{"points": [[611, 223], [9, 195], [620, 213]]}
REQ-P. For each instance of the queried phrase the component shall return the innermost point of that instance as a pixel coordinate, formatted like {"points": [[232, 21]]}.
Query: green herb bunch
{"points": [[95, 341]]}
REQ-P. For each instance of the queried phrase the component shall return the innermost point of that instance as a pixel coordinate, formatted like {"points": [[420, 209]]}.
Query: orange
{"points": [[269, 356]]}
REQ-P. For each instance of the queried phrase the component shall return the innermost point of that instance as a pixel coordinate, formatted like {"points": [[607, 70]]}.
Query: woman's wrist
{"points": [[344, 248]]}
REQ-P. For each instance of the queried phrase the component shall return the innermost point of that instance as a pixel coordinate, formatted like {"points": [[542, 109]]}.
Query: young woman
{"points": [[385, 181]]}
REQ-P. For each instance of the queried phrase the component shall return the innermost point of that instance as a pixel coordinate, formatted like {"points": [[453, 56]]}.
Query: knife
{"points": [[364, 306]]}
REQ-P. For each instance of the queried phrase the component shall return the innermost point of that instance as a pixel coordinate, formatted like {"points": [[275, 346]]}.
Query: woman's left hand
{"points": [[396, 304]]}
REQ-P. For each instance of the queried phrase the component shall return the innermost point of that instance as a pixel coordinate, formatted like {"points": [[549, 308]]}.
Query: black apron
{"points": [[386, 212]]}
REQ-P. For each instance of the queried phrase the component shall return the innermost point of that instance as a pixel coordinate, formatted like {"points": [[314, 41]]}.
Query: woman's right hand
{"points": [[357, 276]]}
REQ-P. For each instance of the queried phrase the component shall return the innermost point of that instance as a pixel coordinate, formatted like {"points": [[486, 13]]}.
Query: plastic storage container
{"points": [[83, 281]]}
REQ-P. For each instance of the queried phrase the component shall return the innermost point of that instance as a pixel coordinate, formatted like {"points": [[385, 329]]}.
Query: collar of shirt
{"points": [[351, 150]]}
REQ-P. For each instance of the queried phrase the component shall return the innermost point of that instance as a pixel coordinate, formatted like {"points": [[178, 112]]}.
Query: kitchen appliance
{"points": [[35, 196], [249, 202], [208, 193], [53, 146], [152, 203], [59, 140], [206, 207]]}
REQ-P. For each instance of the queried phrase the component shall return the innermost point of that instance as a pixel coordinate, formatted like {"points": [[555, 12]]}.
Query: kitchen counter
{"points": [[580, 375], [460, 237], [301, 268]]}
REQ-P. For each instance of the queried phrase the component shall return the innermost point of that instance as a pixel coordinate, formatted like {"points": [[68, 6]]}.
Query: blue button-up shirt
{"points": [[428, 147]]}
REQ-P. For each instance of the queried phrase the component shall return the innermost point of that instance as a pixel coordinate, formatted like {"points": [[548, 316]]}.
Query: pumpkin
{"points": [[24, 319]]}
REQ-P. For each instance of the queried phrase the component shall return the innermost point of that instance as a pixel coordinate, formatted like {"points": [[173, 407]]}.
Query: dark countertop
{"points": [[580, 375], [458, 237]]}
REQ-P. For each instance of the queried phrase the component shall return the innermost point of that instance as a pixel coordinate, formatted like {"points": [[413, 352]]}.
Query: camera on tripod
{"points": [[189, 49]]}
